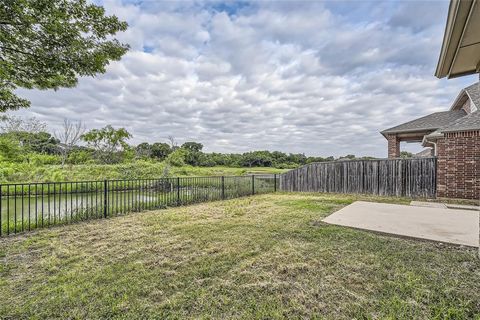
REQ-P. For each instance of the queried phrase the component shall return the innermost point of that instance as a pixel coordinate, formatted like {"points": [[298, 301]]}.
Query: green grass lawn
{"points": [[266, 256]]}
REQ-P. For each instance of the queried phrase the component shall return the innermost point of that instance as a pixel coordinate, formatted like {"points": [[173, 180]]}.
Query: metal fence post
{"points": [[253, 184], [1, 225], [274, 182], [223, 187], [178, 191], [105, 198]]}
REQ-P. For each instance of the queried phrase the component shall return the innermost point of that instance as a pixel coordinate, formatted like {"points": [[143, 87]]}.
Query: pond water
{"points": [[54, 204]]}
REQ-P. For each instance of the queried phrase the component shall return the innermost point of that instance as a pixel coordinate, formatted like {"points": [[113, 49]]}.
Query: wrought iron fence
{"points": [[24, 207]]}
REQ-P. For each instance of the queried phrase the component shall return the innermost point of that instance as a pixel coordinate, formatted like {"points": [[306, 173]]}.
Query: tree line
{"points": [[26, 140]]}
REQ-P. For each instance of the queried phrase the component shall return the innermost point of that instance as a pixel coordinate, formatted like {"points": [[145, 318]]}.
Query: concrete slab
{"points": [[444, 205], [443, 225], [428, 204], [463, 206]]}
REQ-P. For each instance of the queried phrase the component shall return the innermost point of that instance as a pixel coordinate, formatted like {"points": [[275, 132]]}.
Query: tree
{"points": [[406, 154], [192, 146], [143, 150], [257, 159], [12, 124], [193, 152], [41, 142], [160, 150], [173, 142], [68, 138], [107, 143], [347, 157], [48, 44], [176, 158], [29, 134], [10, 149]]}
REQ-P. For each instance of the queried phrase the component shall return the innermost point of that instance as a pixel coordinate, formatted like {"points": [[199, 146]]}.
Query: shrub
{"points": [[176, 158]]}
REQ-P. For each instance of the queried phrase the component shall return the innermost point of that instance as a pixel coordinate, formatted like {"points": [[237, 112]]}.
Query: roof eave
{"points": [[459, 13], [421, 130], [462, 129], [447, 39]]}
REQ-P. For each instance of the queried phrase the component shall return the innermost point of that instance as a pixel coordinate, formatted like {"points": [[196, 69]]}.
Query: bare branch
{"points": [[173, 142], [69, 137], [12, 124]]}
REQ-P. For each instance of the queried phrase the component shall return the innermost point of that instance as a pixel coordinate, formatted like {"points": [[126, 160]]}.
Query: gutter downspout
{"points": [[434, 148], [433, 142]]}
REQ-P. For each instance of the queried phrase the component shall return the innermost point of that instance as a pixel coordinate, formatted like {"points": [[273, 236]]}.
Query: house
{"points": [[454, 138]]}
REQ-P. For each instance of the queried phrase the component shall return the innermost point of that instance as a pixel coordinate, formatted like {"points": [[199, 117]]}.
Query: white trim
{"points": [[457, 99]]}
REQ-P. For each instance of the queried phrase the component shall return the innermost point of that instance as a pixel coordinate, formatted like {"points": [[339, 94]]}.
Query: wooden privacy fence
{"points": [[389, 177]]}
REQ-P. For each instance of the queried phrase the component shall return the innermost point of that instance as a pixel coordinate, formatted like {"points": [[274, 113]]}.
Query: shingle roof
{"points": [[473, 92], [431, 122], [469, 122]]}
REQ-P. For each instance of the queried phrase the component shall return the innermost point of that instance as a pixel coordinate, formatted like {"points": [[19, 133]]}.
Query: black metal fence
{"points": [[414, 177], [24, 207]]}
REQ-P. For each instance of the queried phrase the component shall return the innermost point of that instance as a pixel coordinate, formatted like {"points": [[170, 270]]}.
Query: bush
{"points": [[80, 157], [42, 159], [176, 158]]}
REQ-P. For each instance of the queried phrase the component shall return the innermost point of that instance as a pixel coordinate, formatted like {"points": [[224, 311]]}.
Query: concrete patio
{"points": [[459, 227]]}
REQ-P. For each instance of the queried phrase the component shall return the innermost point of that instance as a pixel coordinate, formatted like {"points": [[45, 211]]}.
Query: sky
{"points": [[320, 78]]}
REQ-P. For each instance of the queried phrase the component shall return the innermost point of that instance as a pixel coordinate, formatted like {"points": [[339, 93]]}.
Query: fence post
{"points": [[223, 188], [253, 184], [105, 198], [274, 182], [1, 225], [178, 191]]}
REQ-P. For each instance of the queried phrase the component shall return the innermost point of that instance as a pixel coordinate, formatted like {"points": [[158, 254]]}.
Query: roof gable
{"points": [[471, 92]]}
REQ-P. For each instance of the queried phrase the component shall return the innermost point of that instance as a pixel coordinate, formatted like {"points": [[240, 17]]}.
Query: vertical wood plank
{"points": [[390, 177]]}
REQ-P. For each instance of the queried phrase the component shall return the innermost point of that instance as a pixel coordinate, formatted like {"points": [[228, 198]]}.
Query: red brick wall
{"points": [[458, 172], [393, 146]]}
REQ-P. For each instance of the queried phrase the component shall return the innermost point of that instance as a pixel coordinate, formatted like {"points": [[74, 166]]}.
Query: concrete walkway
{"points": [[438, 224]]}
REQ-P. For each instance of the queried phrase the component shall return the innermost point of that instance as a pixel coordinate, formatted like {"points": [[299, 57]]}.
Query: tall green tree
{"points": [[48, 44], [160, 150], [193, 152], [143, 150], [192, 146], [108, 143]]}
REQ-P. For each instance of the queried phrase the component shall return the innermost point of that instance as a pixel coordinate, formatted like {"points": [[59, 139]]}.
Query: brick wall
{"points": [[393, 146], [458, 173]]}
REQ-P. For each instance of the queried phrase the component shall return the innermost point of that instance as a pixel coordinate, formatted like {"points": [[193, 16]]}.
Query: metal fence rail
{"points": [[389, 177], [24, 207]]}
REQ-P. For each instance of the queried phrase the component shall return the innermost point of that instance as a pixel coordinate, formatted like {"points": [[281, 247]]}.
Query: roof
{"points": [[473, 92], [431, 122], [427, 152], [469, 122], [461, 41]]}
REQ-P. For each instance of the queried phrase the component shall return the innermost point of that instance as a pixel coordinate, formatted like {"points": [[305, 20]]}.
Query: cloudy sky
{"points": [[320, 78]]}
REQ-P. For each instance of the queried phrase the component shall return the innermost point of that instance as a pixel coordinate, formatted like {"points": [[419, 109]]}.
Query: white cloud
{"points": [[279, 76]]}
